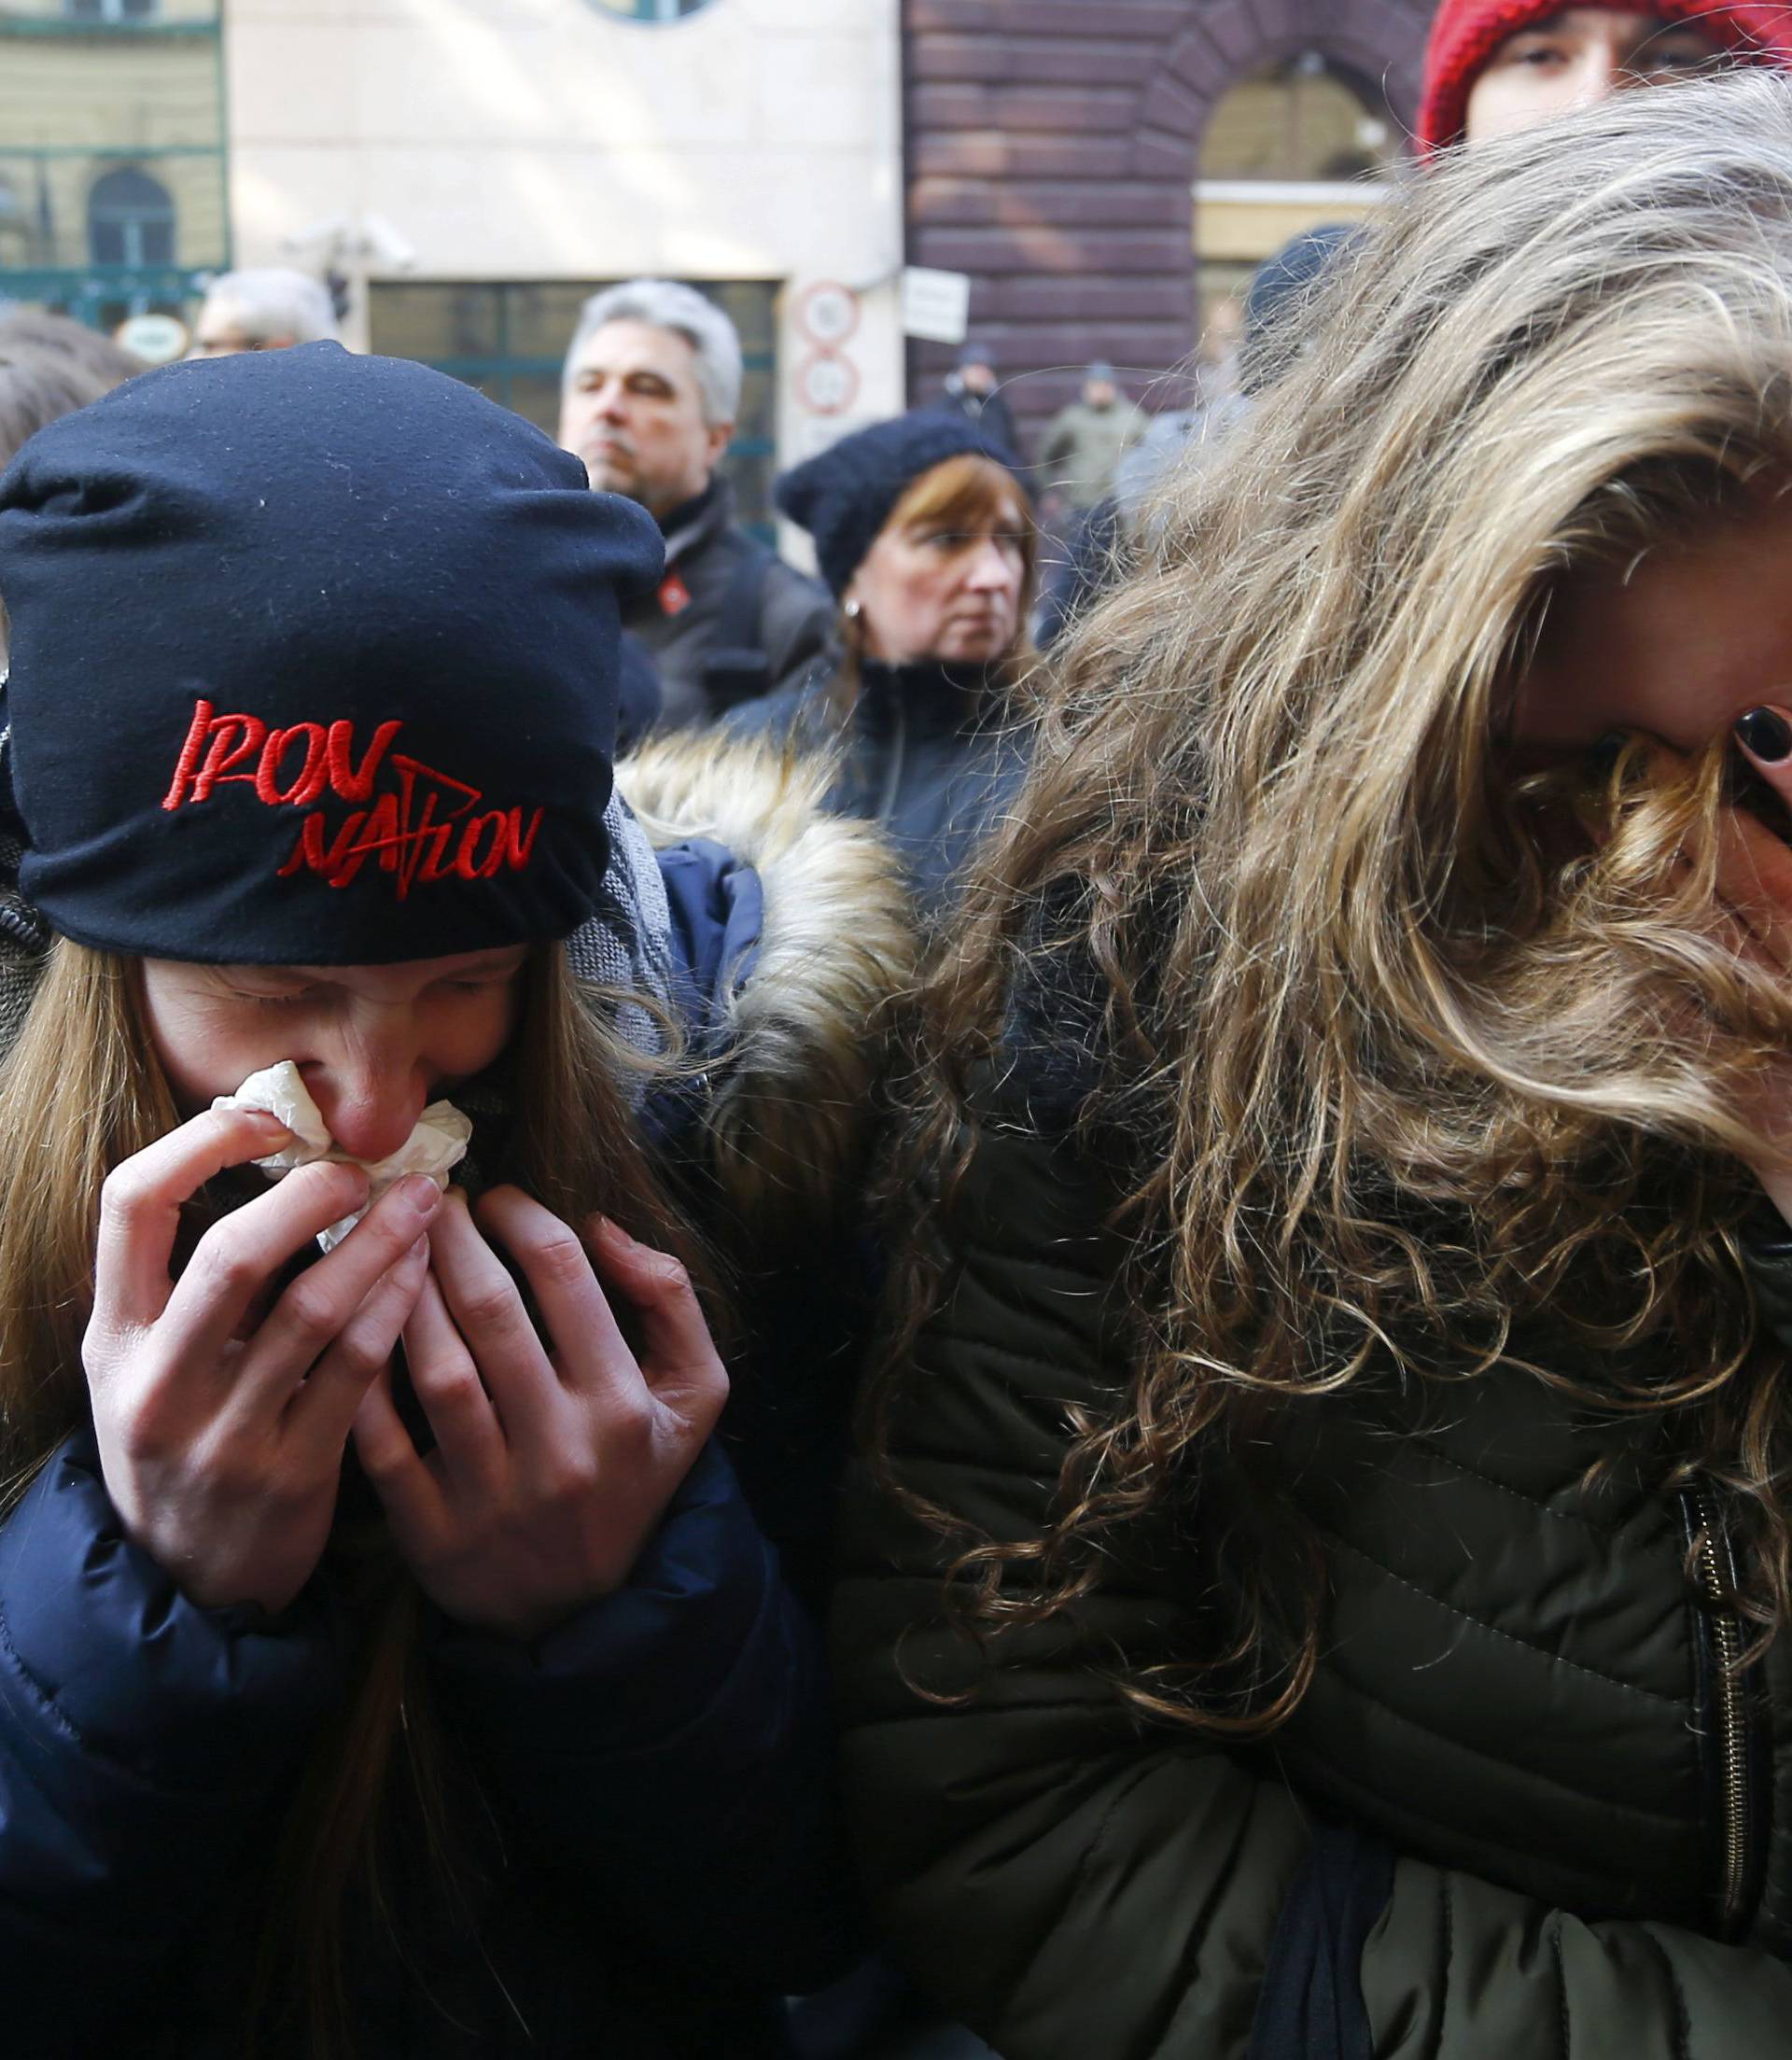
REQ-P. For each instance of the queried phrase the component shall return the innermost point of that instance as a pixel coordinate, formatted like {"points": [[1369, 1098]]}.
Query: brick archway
{"points": [[1051, 149]]}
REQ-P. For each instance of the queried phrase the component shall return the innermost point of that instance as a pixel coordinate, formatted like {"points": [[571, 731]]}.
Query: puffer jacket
{"points": [[1521, 1811], [643, 1801], [926, 753]]}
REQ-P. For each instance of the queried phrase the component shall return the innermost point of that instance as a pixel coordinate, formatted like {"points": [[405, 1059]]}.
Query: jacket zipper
{"points": [[1731, 1700]]}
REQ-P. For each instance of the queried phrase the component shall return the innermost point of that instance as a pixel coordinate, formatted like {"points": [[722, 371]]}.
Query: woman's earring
{"points": [[852, 611]]}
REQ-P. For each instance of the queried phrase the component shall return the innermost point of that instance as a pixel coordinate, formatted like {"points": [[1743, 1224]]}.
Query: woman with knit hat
{"points": [[927, 539], [1494, 66], [390, 1658]]}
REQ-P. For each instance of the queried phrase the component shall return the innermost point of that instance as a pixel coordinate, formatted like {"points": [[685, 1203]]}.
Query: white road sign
{"points": [[936, 305]]}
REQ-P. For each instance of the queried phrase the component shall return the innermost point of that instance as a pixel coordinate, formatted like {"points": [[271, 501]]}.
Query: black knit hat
{"points": [[314, 660], [843, 496], [1278, 287]]}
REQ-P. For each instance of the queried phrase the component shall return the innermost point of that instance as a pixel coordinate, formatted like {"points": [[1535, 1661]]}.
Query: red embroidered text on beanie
{"points": [[1464, 34], [314, 661]]}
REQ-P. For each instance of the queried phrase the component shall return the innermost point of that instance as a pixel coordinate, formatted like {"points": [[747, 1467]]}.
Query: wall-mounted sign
{"points": [[827, 314], [936, 305], [827, 384], [156, 338]]}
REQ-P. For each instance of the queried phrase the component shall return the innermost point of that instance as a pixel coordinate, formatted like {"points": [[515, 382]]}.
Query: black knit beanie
{"points": [[1278, 287], [314, 660], [843, 496]]}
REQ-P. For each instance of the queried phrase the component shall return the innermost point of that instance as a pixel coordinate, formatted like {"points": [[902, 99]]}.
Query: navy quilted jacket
{"points": [[649, 1788]]}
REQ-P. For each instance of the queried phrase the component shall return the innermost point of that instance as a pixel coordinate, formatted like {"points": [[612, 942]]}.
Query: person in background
{"points": [[1495, 66], [1491, 68], [927, 539], [649, 399], [85, 355], [269, 308], [973, 389], [1216, 355], [40, 382], [407, 1649], [1084, 443], [1282, 289], [1096, 553], [1323, 1586]]}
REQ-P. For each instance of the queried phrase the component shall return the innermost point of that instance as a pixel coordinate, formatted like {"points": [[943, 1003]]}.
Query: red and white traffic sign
{"points": [[827, 314], [827, 384]]}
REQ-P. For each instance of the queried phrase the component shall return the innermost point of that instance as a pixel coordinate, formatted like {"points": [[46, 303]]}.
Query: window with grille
{"points": [[130, 220], [110, 10]]}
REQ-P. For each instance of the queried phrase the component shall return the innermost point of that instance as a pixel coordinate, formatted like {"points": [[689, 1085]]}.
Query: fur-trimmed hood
{"points": [[806, 1033], [802, 1031]]}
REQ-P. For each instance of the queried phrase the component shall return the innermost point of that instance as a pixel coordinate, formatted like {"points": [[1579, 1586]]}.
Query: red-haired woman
{"points": [[927, 538]]}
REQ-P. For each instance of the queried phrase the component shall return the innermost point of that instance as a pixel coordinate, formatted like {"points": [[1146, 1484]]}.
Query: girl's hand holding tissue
{"points": [[222, 1451]]}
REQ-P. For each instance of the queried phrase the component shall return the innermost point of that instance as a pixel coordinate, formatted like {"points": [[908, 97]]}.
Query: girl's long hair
{"points": [[79, 1092], [1391, 1068]]}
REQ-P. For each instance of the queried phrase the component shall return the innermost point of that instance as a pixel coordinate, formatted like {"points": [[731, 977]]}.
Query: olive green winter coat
{"points": [[1518, 1689]]}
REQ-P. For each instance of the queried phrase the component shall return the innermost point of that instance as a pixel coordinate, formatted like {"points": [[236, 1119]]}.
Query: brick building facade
{"points": [[1051, 152]]}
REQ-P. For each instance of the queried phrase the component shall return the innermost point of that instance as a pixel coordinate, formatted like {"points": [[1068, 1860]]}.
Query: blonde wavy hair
{"points": [[1393, 1065], [80, 1090]]}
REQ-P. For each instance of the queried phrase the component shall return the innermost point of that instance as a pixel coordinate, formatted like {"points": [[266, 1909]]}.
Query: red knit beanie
{"points": [[1465, 34]]}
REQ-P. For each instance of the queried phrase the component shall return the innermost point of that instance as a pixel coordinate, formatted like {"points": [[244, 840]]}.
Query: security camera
{"points": [[344, 238]]}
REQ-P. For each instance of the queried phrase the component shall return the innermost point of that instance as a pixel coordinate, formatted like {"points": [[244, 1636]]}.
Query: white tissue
{"points": [[282, 1092], [435, 1146]]}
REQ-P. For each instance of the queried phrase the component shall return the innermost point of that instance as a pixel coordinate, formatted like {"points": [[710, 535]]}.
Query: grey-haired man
{"points": [[650, 392], [270, 308]]}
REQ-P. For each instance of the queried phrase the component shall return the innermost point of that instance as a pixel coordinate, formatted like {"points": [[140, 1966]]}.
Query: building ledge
{"points": [[1352, 195], [59, 28], [116, 282]]}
